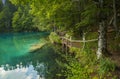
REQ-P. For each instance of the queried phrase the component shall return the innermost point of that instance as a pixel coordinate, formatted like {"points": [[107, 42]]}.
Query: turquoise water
{"points": [[15, 50], [15, 47]]}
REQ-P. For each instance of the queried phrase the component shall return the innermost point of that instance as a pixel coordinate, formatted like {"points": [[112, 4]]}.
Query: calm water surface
{"points": [[15, 47], [15, 52]]}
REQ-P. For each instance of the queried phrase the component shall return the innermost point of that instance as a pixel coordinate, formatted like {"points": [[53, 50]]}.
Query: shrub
{"points": [[105, 66], [54, 37]]}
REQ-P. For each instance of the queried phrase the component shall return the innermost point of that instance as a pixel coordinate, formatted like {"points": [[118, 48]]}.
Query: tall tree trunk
{"points": [[115, 16], [102, 42]]}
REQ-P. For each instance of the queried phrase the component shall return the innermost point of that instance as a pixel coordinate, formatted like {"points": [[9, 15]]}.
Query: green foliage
{"points": [[91, 35], [6, 12], [88, 16], [1, 5], [77, 70], [22, 20], [75, 50], [82, 66], [54, 38], [105, 66], [87, 64], [114, 43], [66, 15]]}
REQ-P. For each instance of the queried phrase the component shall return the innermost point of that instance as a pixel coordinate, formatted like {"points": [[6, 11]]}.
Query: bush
{"points": [[80, 67], [54, 38], [105, 66], [77, 70]]}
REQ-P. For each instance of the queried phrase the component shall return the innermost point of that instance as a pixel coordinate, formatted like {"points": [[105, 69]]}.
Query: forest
{"points": [[85, 33]]}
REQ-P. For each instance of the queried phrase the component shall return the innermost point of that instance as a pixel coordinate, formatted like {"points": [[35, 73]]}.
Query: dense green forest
{"points": [[73, 19]]}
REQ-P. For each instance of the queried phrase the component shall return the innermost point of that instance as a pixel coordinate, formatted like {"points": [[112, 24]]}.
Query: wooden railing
{"points": [[75, 43]]}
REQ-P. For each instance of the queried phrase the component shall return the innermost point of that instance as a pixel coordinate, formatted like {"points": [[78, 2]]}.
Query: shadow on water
{"points": [[46, 55]]}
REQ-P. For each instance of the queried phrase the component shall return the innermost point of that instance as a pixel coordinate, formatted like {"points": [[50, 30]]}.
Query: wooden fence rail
{"points": [[75, 43]]}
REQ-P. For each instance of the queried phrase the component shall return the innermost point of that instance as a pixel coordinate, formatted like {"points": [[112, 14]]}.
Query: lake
{"points": [[15, 51]]}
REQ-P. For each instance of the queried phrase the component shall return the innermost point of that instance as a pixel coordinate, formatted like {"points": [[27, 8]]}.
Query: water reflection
{"points": [[23, 72]]}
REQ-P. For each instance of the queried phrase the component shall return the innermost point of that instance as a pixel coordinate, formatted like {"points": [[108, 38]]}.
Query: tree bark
{"points": [[102, 42]]}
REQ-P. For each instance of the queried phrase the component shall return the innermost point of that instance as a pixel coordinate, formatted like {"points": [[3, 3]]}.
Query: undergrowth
{"points": [[86, 66], [83, 64], [105, 67]]}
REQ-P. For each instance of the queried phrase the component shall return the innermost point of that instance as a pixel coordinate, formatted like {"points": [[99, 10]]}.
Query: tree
{"points": [[74, 16], [6, 15], [22, 20], [102, 42]]}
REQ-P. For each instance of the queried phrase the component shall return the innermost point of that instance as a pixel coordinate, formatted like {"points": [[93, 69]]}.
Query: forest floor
{"points": [[116, 59]]}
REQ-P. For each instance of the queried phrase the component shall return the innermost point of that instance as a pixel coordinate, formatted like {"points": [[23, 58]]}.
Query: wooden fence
{"points": [[75, 43]]}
